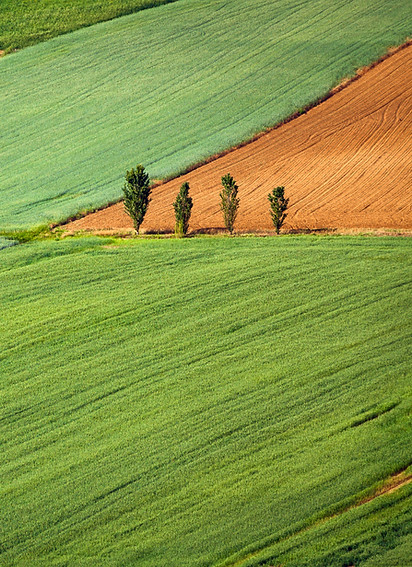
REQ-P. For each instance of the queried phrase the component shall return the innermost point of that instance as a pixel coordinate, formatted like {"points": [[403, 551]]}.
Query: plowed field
{"points": [[345, 164]]}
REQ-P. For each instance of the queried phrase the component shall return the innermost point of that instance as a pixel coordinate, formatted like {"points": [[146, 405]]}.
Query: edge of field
{"points": [[387, 486], [338, 88], [125, 12]]}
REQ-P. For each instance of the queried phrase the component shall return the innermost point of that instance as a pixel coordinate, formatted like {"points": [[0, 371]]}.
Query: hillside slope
{"points": [[173, 402], [167, 88], [28, 23], [345, 164]]}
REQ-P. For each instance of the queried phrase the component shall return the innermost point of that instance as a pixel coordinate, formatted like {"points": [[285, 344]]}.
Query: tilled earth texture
{"points": [[345, 164]]}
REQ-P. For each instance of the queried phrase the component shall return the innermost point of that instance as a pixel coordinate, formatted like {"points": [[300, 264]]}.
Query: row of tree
{"points": [[137, 192]]}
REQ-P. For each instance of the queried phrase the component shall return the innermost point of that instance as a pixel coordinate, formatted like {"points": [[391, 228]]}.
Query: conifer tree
{"points": [[229, 202], [278, 206], [136, 195], [183, 209]]}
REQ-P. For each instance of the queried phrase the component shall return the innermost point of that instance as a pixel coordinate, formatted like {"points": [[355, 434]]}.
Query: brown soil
{"points": [[345, 164], [395, 482]]}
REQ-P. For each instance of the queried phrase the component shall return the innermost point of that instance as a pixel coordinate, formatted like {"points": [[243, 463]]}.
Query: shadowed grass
{"points": [[5, 242], [27, 23]]}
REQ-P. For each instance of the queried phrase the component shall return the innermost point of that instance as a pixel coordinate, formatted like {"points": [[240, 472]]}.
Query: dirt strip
{"points": [[345, 164], [392, 483]]}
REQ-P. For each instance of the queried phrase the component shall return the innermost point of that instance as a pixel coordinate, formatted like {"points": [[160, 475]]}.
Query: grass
{"points": [[168, 88], [377, 533], [27, 23], [192, 402], [5, 242], [27, 235]]}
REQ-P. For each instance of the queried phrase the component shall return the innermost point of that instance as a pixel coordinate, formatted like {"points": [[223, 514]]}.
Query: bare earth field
{"points": [[345, 164]]}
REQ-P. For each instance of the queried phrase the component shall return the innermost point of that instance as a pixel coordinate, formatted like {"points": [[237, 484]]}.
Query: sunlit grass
{"points": [[176, 402]]}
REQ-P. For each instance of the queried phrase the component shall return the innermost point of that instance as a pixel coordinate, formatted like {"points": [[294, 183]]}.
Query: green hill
{"points": [[204, 402], [167, 88], [28, 23]]}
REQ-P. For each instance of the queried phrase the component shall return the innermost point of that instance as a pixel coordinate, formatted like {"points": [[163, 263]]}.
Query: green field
{"points": [[5, 243], [28, 23], [168, 87], [201, 402]]}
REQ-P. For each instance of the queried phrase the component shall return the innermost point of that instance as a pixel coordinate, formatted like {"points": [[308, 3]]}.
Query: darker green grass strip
{"points": [[27, 23]]}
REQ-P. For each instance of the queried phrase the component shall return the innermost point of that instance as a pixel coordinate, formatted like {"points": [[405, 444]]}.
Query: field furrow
{"points": [[345, 164], [168, 88]]}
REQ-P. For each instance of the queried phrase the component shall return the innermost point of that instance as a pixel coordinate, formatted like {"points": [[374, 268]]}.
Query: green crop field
{"points": [[166, 88], [27, 23], [5, 243], [205, 402]]}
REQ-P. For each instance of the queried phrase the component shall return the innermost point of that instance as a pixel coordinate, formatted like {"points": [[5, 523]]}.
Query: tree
{"points": [[136, 195], [278, 205], [183, 209], [229, 203]]}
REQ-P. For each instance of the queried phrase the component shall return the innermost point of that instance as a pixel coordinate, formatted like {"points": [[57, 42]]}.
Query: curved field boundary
{"points": [[168, 88], [345, 164], [27, 23]]}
